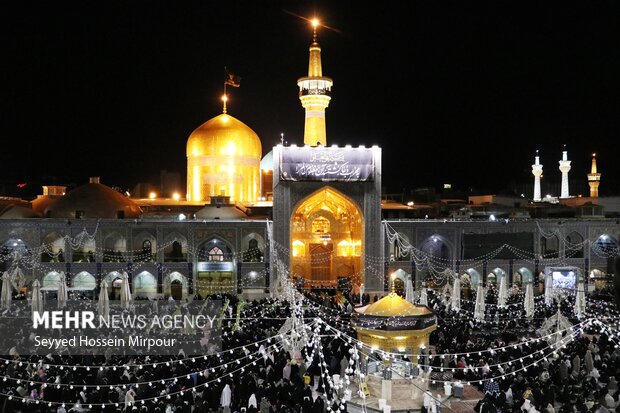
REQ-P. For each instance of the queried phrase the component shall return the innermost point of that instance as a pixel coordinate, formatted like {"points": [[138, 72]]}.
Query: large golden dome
{"points": [[223, 158], [224, 135], [393, 305]]}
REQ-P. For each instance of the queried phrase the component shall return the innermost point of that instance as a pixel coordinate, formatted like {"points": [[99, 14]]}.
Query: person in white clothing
{"points": [[252, 401], [225, 397]]}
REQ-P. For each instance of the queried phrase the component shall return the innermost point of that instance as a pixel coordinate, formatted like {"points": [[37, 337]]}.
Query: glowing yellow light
{"points": [[152, 195], [176, 196], [298, 248], [224, 98], [315, 22], [230, 150]]}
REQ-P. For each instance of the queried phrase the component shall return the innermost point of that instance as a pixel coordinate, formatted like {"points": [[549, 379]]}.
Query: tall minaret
{"points": [[594, 178], [315, 93], [537, 172], [564, 168]]}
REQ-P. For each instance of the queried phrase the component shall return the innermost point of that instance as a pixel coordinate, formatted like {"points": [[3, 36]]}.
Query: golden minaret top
{"points": [[315, 94]]}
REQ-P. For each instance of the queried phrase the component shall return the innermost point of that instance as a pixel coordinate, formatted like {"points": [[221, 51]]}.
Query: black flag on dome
{"points": [[231, 79]]}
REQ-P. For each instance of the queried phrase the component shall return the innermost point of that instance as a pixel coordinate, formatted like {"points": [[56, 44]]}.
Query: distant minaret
{"points": [[564, 168], [594, 178], [537, 172], [315, 94]]}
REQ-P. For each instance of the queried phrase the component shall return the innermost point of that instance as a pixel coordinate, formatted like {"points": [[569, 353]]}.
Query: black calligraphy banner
{"points": [[326, 164]]}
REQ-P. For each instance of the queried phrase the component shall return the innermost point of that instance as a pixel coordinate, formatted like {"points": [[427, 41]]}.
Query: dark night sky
{"points": [[459, 92]]}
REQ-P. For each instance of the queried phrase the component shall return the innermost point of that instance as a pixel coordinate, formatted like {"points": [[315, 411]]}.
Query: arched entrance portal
{"points": [[327, 230]]}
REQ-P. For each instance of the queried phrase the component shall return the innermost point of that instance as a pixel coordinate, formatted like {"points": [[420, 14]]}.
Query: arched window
{"points": [[574, 245], [321, 225], [147, 250], [550, 247], [215, 250], [115, 248], [253, 246], [216, 254]]}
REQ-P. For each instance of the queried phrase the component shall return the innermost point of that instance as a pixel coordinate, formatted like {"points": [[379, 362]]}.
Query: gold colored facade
{"points": [[327, 230], [400, 341], [223, 158]]}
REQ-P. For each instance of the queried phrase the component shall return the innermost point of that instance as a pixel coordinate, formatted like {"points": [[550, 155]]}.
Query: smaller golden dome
{"points": [[393, 305], [224, 136]]}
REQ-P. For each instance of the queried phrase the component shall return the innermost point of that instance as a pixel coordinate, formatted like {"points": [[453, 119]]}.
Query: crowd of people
{"points": [[255, 370]]}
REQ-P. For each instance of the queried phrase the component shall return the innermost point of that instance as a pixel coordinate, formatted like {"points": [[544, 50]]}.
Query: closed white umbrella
{"points": [[549, 290], [37, 299], [455, 299], [580, 300], [409, 290], [63, 295], [125, 291], [423, 297], [103, 305], [503, 292], [7, 291], [528, 303], [362, 294], [480, 305]]}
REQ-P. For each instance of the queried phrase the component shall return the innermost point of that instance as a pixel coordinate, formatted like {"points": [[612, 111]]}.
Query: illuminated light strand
{"points": [[135, 403], [148, 383]]}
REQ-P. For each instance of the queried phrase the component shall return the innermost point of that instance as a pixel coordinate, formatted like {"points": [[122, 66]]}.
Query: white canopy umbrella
{"points": [[549, 290], [103, 305], [480, 306], [7, 291], [125, 291], [423, 296], [503, 291], [409, 290], [63, 295], [362, 294], [580, 300], [37, 298], [455, 298], [528, 303]]}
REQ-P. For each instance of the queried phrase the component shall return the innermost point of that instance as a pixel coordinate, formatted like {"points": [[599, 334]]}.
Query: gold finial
{"points": [[393, 277], [315, 24], [224, 99]]}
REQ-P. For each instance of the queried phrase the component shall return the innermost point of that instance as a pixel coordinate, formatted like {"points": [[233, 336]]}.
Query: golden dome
{"points": [[224, 135], [393, 305], [223, 159]]}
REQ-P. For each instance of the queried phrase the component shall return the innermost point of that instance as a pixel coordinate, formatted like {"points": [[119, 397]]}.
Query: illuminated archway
{"points": [[327, 232]]}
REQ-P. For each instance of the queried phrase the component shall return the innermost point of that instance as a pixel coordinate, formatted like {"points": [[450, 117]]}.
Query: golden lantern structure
{"points": [[394, 325], [223, 159]]}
